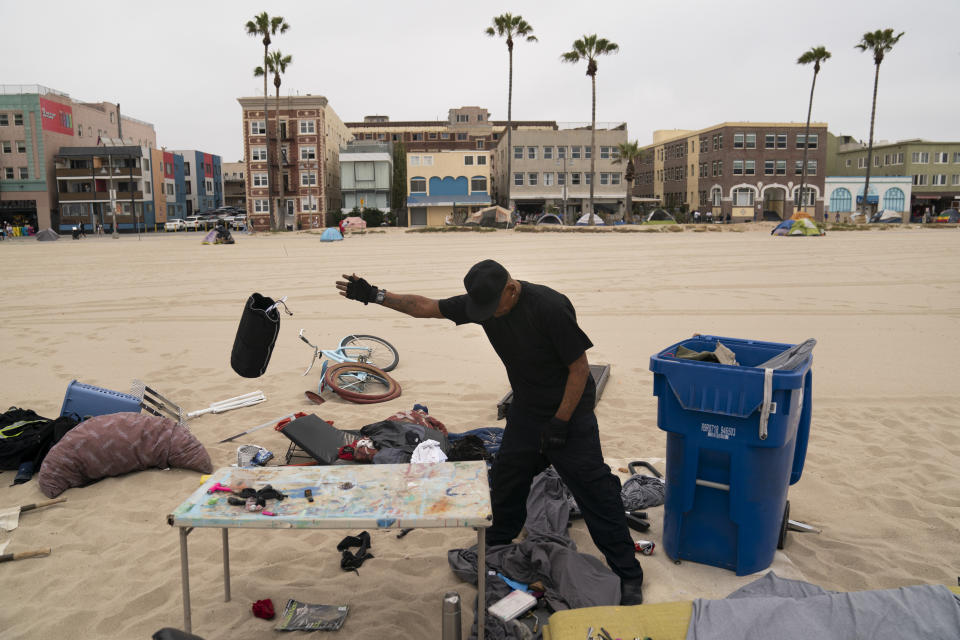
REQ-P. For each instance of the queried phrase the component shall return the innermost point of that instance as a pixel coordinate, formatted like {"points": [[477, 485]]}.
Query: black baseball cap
{"points": [[484, 283]]}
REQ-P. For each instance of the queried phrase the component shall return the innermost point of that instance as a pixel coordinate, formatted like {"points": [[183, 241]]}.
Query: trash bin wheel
{"points": [[783, 526]]}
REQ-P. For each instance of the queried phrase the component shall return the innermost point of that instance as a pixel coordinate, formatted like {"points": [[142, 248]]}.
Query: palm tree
{"points": [[589, 48], [816, 55], [264, 26], [510, 25], [628, 152], [880, 42], [277, 65]]}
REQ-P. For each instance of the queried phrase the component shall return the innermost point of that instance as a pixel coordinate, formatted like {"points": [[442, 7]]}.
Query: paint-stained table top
{"points": [[447, 494]]}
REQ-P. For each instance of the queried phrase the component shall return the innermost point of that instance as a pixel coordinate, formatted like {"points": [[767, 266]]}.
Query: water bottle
{"points": [[451, 616]]}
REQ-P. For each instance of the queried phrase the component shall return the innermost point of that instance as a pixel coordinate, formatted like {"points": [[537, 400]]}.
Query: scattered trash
{"points": [[300, 616], [264, 609], [644, 546]]}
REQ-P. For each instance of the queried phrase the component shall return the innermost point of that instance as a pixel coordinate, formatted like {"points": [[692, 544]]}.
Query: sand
{"points": [[881, 470]]}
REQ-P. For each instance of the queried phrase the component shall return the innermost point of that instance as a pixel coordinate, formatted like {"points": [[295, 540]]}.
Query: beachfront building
{"points": [[304, 165], [550, 170], [736, 170], [203, 181], [36, 123], [366, 175], [446, 183], [105, 184], [843, 196], [933, 168], [234, 185]]}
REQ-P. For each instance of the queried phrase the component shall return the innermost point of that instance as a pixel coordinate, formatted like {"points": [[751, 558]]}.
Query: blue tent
{"points": [[783, 228], [330, 234]]}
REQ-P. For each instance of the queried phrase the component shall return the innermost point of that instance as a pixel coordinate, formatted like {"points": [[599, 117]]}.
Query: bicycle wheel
{"points": [[382, 354], [361, 383]]}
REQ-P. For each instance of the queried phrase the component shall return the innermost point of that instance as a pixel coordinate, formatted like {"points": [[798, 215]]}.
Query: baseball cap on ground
{"points": [[484, 283]]}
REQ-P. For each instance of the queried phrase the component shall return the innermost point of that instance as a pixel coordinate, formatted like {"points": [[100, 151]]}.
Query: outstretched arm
{"points": [[356, 288]]}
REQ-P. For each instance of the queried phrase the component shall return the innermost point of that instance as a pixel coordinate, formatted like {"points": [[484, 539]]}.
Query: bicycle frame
{"points": [[339, 354]]}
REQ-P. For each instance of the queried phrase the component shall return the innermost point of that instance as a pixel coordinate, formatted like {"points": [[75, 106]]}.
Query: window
{"points": [[615, 178], [432, 135], [781, 167], [259, 179], [8, 173], [308, 179], [481, 159], [479, 117], [518, 153], [920, 180], [467, 160], [444, 136], [561, 153], [897, 158], [418, 185], [941, 158], [809, 196], [743, 197], [715, 196], [769, 141], [811, 140], [604, 178], [737, 142], [186, 168], [261, 206], [4, 122], [811, 167], [478, 183], [146, 185], [6, 147], [956, 179], [18, 119], [956, 157], [862, 163], [307, 127], [461, 136], [24, 174], [258, 154], [548, 179], [414, 161], [737, 167], [170, 189], [587, 151], [781, 141], [921, 157], [587, 177], [768, 167], [308, 153], [574, 179], [841, 200], [428, 161], [575, 152], [751, 142], [604, 153], [480, 143], [548, 153], [939, 179], [750, 168], [257, 128], [798, 167], [518, 179], [720, 140], [894, 199], [416, 137], [876, 160], [461, 117], [308, 204], [21, 146], [532, 179], [847, 162], [531, 153], [561, 179]]}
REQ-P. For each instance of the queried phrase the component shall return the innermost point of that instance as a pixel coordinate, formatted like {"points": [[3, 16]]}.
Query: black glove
{"points": [[554, 435], [361, 290]]}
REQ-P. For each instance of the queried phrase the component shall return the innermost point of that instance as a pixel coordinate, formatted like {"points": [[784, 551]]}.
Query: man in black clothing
{"points": [[534, 330]]}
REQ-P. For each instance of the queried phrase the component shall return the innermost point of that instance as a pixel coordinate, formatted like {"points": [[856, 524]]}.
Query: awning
{"points": [[870, 199]]}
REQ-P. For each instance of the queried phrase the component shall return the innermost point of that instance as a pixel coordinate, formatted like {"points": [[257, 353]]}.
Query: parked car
{"points": [[192, 223], [174, 225]]}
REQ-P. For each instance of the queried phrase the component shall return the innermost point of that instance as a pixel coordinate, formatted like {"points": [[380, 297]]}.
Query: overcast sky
{"points": [[683, 64]]}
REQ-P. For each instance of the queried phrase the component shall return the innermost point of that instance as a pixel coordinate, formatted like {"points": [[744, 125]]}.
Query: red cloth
{"points": [[264, 609], [419, 417]]}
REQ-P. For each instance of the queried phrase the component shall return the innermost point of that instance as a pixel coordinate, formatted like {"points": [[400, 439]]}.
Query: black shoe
{"points": [[631, 592]]}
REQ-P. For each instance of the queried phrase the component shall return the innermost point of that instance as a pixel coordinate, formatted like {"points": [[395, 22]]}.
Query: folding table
{"points": [[371, 496]]}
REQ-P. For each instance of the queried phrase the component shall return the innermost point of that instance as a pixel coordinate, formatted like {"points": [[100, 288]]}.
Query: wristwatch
{"points": [[380, 294]]}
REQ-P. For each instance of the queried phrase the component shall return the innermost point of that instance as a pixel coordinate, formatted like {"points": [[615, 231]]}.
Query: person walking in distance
{"points": [[534, 331]]}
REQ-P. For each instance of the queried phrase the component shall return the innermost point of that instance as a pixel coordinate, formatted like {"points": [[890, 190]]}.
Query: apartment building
{"points": [[551, 168], [366, 175], [736, 170], [446, 183], [203, 180], [234, 185], [933, 169], [36, 123], [304, 176]]}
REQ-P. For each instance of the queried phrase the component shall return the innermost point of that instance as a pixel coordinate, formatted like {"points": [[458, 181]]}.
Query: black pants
{"points": [[580, 465]]}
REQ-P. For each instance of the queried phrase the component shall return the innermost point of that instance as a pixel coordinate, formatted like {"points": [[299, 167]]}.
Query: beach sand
{"points": [[881, 471]]}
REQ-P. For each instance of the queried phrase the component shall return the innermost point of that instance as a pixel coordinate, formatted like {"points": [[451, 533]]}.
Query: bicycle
{"points": [[359, 374]]}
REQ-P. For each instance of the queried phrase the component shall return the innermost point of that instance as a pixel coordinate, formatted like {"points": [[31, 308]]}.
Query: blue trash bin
{"points": [[86, 400], [736, 440]]}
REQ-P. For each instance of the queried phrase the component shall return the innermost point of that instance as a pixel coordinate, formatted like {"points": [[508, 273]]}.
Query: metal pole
{"points": [[185, 578], [450, 625], [226, 566], [481, 617]]}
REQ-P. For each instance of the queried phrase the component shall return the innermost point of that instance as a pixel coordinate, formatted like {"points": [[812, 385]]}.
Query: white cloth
{"points": [[9, 518], [428, 451], [3, 545]]}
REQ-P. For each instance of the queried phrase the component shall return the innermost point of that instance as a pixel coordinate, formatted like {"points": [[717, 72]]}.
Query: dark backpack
{"points": [[26, 436]]}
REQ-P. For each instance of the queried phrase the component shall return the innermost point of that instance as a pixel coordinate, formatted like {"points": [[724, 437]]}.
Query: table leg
{"points": [[481, 582], [226, 566], [185, 579]]}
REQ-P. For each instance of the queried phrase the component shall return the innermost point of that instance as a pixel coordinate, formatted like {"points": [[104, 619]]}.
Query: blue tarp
{"points": [[330, 234]]}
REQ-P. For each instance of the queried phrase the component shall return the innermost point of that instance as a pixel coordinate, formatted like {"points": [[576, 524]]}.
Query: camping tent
{"points": [[887, 216], [331, 234], [801, 227], [659, 215], [354, 222], [585, 219], [550, 218], [495, 216], [48, 234]]}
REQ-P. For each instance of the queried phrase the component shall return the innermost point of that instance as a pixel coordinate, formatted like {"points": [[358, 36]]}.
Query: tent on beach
{"points": [[550, 218], [801, 227], [585, 220], [494, 216], [48, 234], [354, 222], [331, 234], [660, 215], [886, 216]]}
